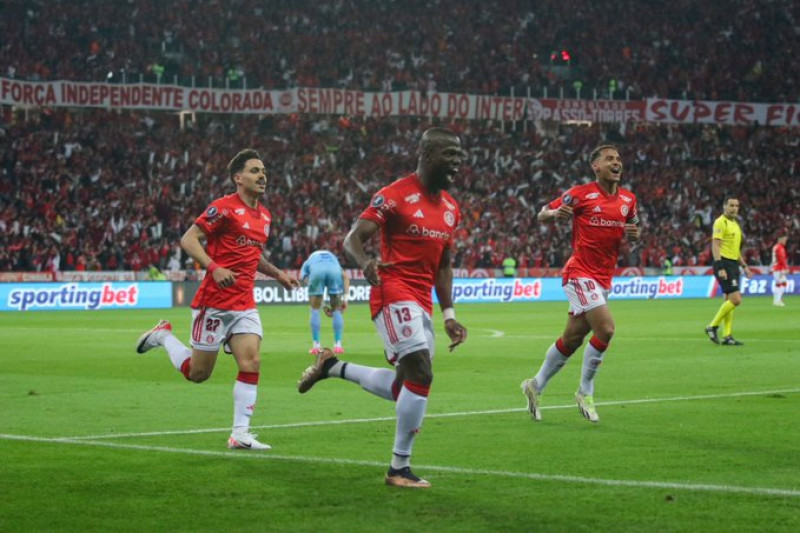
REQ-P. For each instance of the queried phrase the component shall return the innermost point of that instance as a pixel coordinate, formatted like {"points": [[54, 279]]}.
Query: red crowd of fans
{"points": [[733, 50], [106, 190]]}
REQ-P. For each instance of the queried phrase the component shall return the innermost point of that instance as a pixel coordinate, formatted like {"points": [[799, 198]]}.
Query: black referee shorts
{"points": [[732, 283]]}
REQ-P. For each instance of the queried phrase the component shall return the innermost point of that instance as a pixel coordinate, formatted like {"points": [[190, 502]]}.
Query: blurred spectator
{"points": [[733, 50], [124, 198]]}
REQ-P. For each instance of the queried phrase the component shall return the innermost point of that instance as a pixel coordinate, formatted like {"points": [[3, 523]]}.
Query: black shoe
{"points": [[404, 477], [730, 341], [711, 331]]}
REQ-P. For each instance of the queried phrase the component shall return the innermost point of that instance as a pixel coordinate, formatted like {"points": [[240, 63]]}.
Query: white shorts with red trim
{"points": [[212, 327], [405, 327], [779, 276], [584, 294]]}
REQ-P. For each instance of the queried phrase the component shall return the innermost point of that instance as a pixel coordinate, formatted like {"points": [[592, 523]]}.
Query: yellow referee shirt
{"points": [[729, 232]]}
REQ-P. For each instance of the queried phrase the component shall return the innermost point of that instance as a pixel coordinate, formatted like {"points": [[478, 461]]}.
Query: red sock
{"points": [[186, 367]]}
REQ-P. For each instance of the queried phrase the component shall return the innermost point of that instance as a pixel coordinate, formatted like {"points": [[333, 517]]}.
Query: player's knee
{"points": [[251, 363], [198, 375], [417, 368], [605, 332]]}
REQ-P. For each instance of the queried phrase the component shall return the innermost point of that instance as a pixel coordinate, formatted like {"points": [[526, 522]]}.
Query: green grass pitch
{"points": [[692, 437]]}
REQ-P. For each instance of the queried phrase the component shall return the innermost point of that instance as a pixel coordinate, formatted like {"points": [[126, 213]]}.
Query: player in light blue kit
{"points": [[322, 271]]}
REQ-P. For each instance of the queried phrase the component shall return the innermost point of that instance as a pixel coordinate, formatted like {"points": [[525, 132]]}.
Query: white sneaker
{"points": [[529, 390], [779, 304], [246, 441], [154, 337], [586, 406]]}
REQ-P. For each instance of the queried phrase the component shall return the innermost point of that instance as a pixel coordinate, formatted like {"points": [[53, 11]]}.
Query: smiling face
{"points": [[607, 165], [252, 179]]}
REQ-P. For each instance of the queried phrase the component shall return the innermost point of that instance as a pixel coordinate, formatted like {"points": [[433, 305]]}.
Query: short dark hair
{"points": [[434, 135], [596, 152], [729, 197], [237, 163]]}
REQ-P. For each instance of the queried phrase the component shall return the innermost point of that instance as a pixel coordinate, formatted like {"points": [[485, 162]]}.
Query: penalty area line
{"points": [[317, 423], [268, 456]]}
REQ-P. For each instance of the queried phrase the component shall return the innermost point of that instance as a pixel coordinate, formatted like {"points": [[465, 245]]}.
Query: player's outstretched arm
{"points": [[190, 242], [268, 269], [444, 292]]}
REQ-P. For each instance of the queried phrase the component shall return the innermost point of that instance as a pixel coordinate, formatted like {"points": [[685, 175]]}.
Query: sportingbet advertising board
{"points": [[549, 289], [85, 296]]}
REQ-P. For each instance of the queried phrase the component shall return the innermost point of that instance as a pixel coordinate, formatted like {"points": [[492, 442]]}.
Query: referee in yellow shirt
{"points": [[726, 246]]}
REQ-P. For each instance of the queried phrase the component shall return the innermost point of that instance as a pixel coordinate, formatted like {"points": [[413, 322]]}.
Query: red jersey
{"points": [[779, 261], [236, 234], [598, 227], [416, 227]]}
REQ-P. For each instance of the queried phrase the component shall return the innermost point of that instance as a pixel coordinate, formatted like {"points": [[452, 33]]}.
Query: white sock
{"points": [[378, 381], [778, 294], [592, 357], [244, 402], [178, 352], [410, 410], [554, 360]]}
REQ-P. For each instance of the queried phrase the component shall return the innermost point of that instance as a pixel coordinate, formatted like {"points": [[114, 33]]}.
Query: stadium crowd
{"points": [[735, 50], [100, 190]]}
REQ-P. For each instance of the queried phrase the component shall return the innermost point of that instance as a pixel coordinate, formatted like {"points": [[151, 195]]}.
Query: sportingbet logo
{"points": [[638, 287], [71, 296], [497, 290]]}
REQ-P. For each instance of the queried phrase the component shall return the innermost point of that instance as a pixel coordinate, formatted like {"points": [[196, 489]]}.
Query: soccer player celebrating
{"points": [[417, 219], [323, 272], [780, 268], [726, 244], [224, 310], [602, 214]]}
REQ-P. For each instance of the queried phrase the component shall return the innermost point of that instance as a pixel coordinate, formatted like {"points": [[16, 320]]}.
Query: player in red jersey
{"points": [[780, 268], [417, 219], [603, 213], [224, 312]]}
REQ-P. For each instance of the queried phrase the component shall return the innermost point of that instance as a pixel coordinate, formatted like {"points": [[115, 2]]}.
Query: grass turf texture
{"points": [[690, 464]]}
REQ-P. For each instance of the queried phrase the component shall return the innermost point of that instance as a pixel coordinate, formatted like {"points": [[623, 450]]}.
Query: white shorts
{"points": [[779, 276], [212, 327], [584, 294], [405, 328]]}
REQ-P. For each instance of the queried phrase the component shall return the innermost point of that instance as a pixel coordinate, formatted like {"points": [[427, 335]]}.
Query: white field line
{"points": [[492, 334], [431, 415], [697, 487]]}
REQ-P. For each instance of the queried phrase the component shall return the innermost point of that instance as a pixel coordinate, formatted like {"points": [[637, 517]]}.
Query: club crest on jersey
{"points": [[449, 218], [412, 198], [624, 210], [378, 200]]}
